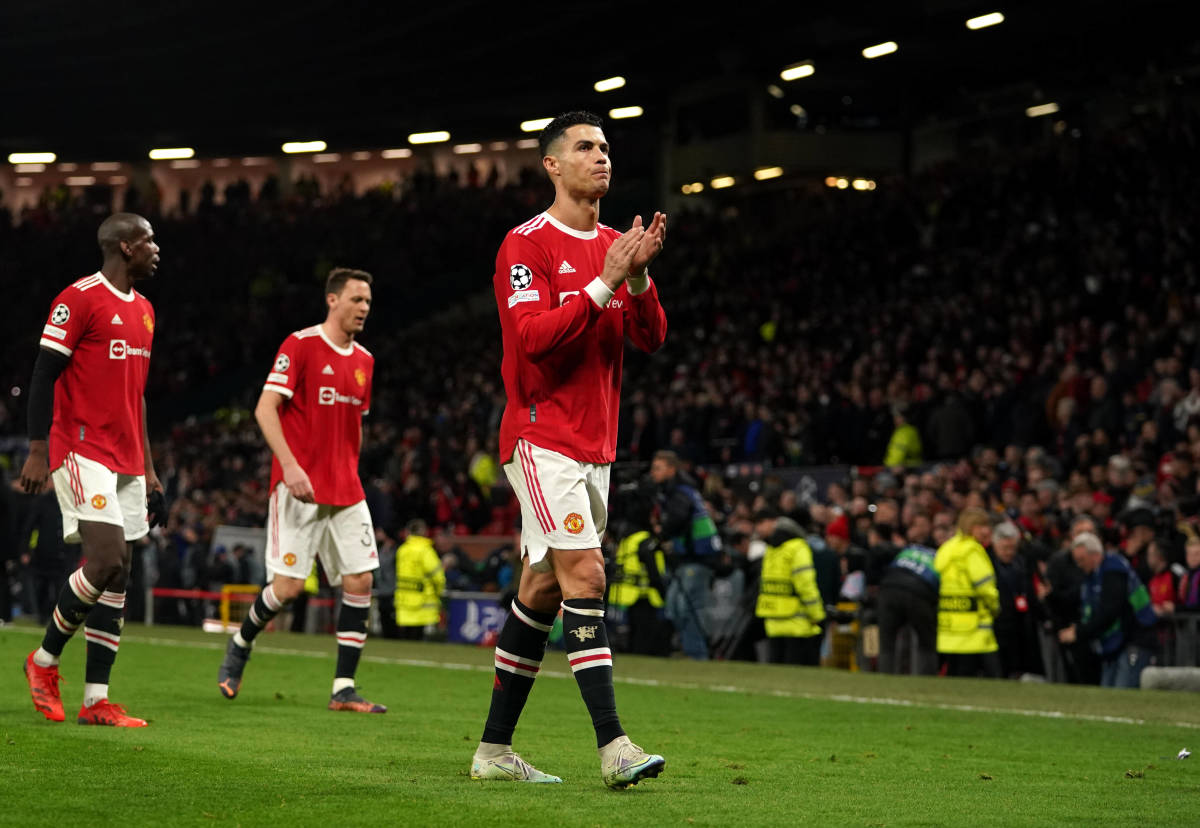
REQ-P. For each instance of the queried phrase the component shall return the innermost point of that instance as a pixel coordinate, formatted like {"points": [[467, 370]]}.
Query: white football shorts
{"points": [[564, 503], [88, 490], [343, 537]]}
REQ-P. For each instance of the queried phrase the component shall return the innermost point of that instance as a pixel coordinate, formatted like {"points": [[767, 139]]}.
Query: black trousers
{"points": [[901, 608], [791, 650]]}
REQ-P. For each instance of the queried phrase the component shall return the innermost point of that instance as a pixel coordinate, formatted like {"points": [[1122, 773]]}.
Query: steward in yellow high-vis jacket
{"points": [[636, 587], [631, 580], [420, 582], [788, 599], [969, 598]]}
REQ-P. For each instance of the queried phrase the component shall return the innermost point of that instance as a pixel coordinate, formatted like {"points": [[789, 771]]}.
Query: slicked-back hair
{"points": [[340, 275], [561, 124], [117, 228]]}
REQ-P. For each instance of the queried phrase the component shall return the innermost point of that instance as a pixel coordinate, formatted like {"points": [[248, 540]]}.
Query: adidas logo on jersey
{"points": [[327, 370], [565, 268], [116, 320]]}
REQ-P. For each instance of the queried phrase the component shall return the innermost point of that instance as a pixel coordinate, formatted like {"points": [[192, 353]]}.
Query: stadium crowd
{"points": [[1014, 331]]}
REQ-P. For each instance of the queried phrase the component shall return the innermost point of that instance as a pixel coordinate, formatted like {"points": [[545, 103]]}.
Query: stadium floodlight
{"points": [[169, 153], [625, 112], [694, 187], [437, 137], [535, 124], [467, 149], [403, 152], [842, 183], [527, 143], [360, 156], [327, 157], [106, 166], [31, 157], [81, 180], [985, 20], [763, 173], [880, 49], [609, 84], [798, 70], [293, 147], [29, 168], [722, 181], [861, 184], [185, 164], [831, 181], [1041, 109]]}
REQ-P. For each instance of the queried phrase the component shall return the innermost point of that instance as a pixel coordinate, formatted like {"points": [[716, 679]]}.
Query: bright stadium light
{"points": [[985, 20], [527, 143], [798, 70], [437, 137], [721, 182], [609, 84], [169, 153], [1041, 109], [29, 168], [403, 152], [842, 183], [694, 187], [763, 173], [625, 112], [467, 149], [831, 181], [31, 157], [880, 49], [535, 124], [293, 147], [861, 184]]}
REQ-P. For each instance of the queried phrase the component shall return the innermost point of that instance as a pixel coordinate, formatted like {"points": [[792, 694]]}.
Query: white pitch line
{"points": [[682, 685]]}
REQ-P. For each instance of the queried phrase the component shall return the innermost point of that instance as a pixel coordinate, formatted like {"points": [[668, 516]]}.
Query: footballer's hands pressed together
{"points": [[619, 259], [650, 245], [297, 482]]}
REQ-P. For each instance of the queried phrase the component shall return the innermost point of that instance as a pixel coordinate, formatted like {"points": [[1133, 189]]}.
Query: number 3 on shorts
{"points": [[367, 536]]}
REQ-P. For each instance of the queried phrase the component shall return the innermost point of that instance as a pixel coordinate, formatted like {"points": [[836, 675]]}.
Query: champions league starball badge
{"points": [[520, 277]]}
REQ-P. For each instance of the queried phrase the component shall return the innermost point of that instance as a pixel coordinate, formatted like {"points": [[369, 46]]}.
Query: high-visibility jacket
{"points": [[631, 581], [969, 598], [420, 582], [788, 599]]}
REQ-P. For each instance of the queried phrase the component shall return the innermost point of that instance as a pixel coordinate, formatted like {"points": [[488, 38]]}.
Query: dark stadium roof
{"points": [[113, 79]]}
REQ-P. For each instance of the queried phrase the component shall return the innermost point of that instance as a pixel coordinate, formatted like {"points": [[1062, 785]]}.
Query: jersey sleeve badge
{"points": [[520, 277]]}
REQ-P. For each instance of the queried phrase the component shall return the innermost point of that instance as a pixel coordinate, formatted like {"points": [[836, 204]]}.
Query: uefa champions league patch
{"points": [[61, 314], [520, 277], [282, 363]]}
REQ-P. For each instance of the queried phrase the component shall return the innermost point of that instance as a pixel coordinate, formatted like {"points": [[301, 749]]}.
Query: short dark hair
{"points": [[561, 124], [340, 275], [117, 228], [669, 457]]}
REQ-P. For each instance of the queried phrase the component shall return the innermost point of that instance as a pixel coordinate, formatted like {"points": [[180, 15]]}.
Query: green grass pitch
{"points": [[745, 744]]}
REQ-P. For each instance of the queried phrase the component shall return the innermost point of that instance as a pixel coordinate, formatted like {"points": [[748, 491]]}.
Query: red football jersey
{"points": [[328, 391], [564, 338], [98, 396]]}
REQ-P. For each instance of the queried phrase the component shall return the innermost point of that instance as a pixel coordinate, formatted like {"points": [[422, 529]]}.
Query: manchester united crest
{"points": [[360, 376], [573, 523], [289, 559], [148, 322], [99, 501]]}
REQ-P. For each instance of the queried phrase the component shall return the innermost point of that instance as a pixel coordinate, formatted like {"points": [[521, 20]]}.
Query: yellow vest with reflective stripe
{"points": [[969, 598], [788, 599], [631, 582], [420, 582]]}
